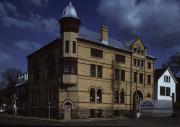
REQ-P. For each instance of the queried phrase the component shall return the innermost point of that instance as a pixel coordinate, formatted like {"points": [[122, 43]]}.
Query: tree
{"points": [[173, 63], [9, 80]]}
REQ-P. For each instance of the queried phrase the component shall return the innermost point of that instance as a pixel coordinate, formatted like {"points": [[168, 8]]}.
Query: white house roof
{"points": [[69, 11]]}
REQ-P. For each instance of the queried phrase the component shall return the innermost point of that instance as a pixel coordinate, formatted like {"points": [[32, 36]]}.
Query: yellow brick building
{"points": [[85, 74]]}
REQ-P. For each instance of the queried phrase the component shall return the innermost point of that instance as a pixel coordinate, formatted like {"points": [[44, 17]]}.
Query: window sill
{"points": [[96, 57], [96, 77], [93, 102]]}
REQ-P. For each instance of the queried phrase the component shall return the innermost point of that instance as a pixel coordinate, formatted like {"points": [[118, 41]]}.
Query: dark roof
{"points": [[93, 36], [129, 43], [44, 47]]}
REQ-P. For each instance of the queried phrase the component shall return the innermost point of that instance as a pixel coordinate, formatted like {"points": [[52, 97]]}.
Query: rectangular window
{"points": [[116, 97], [138, 63], [96, 53], [74, 47], [168, 90], [122, 75], [93, 70], [135, 61], [142, 63], [142, 52], [116, 74], [166, 78], [162, 90], [135, 77], [70, 67], [149, 65], [148, 79], [140, 78], [99, 71], [120, 58], [66, 46]]}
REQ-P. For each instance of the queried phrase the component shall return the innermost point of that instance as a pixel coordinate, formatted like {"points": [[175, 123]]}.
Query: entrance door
{"points": [[67, 111], [137, 97]]}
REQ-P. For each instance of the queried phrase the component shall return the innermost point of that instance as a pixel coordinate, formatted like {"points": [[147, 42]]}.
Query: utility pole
{"points": [[15, 104], [49, 103]]}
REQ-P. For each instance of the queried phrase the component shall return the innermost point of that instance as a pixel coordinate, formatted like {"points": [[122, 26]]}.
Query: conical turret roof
{"points": [[69, 11]]}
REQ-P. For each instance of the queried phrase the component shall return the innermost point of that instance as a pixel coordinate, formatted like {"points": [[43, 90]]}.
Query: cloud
{"points": [[28, 46], [33, 22], [7, 9], [2, 9], [10, 7], [147, 18], [39, 3], [5, 57]]}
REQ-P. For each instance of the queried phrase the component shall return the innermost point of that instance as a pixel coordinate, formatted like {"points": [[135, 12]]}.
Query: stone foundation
{"points": [[82, 114], [107, 113], [85, 114]]}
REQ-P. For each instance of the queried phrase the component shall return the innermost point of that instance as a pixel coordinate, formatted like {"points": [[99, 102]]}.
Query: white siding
{"points": [[172, 86]]}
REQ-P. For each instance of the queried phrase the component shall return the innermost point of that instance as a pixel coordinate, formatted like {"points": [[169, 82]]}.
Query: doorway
{"points": [[67, 111], [136, 99]]}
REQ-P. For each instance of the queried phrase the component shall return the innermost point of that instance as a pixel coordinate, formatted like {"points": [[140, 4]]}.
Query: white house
{"points": [[165, 85]]}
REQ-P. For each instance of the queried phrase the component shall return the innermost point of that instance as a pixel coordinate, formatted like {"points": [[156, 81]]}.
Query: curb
{"points": [[62, 120]]}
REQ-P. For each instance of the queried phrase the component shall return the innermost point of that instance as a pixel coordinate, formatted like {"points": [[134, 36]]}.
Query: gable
{"points": [[168, 73], [138, 44]]}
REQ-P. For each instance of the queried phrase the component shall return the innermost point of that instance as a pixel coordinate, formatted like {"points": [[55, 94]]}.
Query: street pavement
{"points": [[8, 120]]}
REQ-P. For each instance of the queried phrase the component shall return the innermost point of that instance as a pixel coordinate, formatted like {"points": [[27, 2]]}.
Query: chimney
{"points": [[104, 34]]}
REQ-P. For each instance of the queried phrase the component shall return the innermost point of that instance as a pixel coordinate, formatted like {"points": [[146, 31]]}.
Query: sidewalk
{"points": [[62, 120]]}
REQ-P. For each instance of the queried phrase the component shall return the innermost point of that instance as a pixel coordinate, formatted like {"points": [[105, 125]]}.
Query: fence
{"points": [[156, 108]]}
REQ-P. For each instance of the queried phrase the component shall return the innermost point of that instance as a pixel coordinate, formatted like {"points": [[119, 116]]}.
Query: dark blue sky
{"points": [[26, 25]]}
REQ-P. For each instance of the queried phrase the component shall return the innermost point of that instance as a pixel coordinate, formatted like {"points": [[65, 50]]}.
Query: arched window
{"points": [[50, 66], [122, 97], [92, 95], [99, 95], [116, 97], [35, 72]]}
